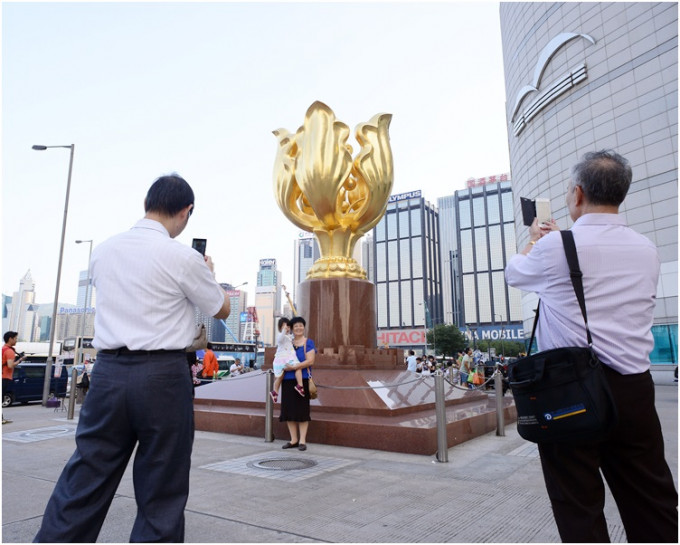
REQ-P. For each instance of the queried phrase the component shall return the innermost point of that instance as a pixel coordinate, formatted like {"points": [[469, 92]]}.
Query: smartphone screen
{"points": [[543, 210], [198, 244]]}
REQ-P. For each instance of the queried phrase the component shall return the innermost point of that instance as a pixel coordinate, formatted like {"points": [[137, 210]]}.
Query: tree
{"points": [[446, 339], [507, 348]]}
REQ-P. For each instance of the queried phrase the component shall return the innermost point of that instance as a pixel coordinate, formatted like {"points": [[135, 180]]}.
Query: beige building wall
{"points": [[613, 84]]}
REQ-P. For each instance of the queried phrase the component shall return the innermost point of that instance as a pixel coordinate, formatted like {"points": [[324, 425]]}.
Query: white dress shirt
{"points": [[147, 285], [620, 272]]}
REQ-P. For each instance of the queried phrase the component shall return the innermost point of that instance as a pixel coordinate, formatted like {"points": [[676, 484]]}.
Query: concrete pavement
{"points": [[491, 490]]}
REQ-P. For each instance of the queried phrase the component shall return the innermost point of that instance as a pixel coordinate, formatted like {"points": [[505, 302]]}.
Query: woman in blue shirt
{"points": [[294, 408]]}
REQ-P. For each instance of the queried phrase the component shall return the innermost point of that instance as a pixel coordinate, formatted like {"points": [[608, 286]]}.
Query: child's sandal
{"points": [[300, 390], [274, 396]]}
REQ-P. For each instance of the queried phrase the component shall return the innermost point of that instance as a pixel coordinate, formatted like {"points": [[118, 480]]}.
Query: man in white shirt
{"points": [[411, 363], [620, 271], [141, 389], [236, 368]]}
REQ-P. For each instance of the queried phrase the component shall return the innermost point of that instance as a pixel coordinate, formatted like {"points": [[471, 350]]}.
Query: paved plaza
{"points": [[244, 490]]}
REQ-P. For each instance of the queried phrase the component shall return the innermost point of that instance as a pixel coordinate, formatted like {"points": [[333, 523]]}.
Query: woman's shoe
{"points": [[302, 446], [290, 445], [300, 390]]}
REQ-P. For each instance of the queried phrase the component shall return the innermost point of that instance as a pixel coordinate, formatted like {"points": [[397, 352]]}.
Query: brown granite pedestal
{"points": [[367, 399]]}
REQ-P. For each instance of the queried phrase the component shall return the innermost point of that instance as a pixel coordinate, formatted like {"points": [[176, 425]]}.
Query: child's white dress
{"points": [[285, 353]]}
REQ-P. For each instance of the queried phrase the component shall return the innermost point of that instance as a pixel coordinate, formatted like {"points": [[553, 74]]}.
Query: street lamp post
{"points": [[86, 306], [53, 326], [502, 331]]}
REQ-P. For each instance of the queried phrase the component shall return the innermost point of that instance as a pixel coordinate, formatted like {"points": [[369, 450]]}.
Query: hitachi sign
{"points": [[401, 337]]}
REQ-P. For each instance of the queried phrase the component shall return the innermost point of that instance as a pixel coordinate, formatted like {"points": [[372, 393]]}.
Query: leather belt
{"points": [[125, 351]]}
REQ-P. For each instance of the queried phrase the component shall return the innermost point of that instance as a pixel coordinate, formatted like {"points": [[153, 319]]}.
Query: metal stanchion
{"points": [[500, 419], [72, 393], [440, 408], [269, 409]]}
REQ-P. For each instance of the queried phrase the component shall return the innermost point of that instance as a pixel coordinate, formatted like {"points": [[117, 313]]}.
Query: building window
{"points": [[380, 261], [417, 257], [391, 221], [393, 292], [416, 229], [392, 260], [479, 215], [418, 307], [494, 215], [403, 224], [406, 318], [506, 202], [484, 298], [496, 247], [405, 258], [380, 230], [464, 212], [469, 298], [466, 251], [481, 248], [382, 305]]}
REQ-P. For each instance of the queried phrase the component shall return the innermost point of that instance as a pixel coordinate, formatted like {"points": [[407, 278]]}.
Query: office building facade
{"points": [[268, 300], [477, 230], [589, 76], [306, 253], [407, 271]]}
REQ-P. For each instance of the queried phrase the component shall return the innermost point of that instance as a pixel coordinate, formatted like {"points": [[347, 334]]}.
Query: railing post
{"points": [[72, 393], [440, 408], [269, 409], [500, 418]]}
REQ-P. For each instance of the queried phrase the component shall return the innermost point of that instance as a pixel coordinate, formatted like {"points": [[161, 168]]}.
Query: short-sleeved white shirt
{"points": [[147, 285]]}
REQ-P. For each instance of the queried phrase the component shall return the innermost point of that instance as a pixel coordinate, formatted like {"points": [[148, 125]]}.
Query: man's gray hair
{"points": [[604, 177]]}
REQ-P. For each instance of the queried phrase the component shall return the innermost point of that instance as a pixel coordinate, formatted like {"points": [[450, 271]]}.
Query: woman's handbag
{"points": [[313, 394], [562, 394]]}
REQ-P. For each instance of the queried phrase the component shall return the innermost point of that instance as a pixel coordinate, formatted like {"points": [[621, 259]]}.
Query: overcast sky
{"points": [[145, 89]]}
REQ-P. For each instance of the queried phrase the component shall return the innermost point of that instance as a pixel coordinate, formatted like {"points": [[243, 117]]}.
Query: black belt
{"points": [[125, 351]]}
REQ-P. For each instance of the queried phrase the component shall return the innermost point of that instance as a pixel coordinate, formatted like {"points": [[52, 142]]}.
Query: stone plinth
{"points": [[374, 408], [338, 311]]}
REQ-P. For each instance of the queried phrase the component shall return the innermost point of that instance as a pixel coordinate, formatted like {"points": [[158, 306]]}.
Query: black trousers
{"points": [[133, 401], [633, 463]]}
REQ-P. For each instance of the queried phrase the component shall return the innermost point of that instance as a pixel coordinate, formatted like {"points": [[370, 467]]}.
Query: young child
{"points": [[285, 355]]}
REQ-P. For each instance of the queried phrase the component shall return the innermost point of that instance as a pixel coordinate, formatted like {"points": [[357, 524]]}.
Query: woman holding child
{"points": [[294, 407]]}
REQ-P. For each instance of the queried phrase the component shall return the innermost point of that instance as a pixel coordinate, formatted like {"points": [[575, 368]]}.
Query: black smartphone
{"points": [[198, 244]]}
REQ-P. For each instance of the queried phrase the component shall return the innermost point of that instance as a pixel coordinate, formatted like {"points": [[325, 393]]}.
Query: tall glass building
{"points": [[477, 227], [407, 265], [268, 299], [584, 76]]}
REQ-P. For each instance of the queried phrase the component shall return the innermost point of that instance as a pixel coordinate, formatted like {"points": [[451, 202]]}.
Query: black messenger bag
{"points": [[562, 395]]}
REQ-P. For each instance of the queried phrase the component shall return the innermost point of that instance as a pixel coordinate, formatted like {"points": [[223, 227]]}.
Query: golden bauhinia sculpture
{"points": [[321, 189]]}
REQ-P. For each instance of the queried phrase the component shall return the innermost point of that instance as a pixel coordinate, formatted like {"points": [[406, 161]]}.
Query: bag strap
{"points": [[576, 277]]}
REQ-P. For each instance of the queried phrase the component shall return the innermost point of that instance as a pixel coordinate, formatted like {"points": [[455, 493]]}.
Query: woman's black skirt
{"points": [[294, 407]]}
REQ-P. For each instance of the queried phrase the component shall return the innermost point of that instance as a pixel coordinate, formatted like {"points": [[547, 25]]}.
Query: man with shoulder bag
{"points": [[616, 283]]}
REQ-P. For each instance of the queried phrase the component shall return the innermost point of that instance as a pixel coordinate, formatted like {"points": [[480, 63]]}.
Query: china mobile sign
{"points": [[401, 337]]}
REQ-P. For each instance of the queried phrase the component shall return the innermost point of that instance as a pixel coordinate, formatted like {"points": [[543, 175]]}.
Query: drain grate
{"points": [[282, 464]]}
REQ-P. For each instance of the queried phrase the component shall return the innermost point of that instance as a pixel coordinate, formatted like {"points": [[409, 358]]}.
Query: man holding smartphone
{"points": [[620, 274], [141, 395]]}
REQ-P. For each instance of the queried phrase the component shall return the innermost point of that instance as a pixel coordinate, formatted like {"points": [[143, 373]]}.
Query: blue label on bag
{"points": [[564, 413]]}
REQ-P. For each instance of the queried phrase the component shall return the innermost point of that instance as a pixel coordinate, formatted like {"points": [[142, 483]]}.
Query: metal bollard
{"points": [[500, 418], [440, 408], [269, 409], [72, 394]]}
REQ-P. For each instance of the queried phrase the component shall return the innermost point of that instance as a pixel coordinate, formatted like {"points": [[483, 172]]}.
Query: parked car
{"points": [[28, 381]]}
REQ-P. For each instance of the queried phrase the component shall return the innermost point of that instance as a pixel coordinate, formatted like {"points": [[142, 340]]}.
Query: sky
{"points": [[146, 89]]}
